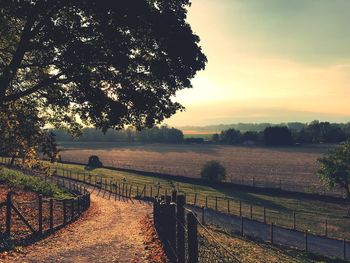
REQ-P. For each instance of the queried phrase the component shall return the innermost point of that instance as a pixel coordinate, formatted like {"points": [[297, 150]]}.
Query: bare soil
{"points": [[290, 164]]}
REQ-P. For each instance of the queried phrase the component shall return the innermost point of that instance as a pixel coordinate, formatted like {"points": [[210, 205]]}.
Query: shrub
{"points": [[94, 162], [334, 169], [213, 171]]}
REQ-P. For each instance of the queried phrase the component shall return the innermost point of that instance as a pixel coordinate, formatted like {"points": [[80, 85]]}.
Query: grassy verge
{"points": [[309, 214], [15, 178], [251, 251]]}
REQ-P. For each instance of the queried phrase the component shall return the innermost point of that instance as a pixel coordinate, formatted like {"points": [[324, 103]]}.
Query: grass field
{"points": [[310, 214], [250, 251], [285, 167]]}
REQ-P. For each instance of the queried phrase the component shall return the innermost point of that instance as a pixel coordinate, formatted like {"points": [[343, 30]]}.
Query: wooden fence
{"points": [[184, 238], [23, 221]]}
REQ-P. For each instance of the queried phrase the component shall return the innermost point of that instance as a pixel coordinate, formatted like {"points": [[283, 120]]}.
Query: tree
{"points": [[334, 169], [22, 134], [112, 63], [278, 136], [230, 136], [213, 171], [94, 162]]}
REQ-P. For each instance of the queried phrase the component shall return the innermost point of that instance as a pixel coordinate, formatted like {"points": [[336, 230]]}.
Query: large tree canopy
{"points": [[110, 62]]}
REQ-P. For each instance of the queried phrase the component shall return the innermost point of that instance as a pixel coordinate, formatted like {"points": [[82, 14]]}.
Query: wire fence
{"points": [[273, 234]]}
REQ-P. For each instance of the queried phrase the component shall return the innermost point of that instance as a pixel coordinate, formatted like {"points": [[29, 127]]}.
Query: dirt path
{"points": [[109, 232]]}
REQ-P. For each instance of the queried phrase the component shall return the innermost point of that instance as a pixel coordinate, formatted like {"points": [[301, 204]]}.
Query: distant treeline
{"points": [[292, 133], [244, 127], [161, 134], [314, 132]]}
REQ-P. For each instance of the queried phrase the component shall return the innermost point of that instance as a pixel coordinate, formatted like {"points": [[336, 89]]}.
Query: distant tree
{"points": [[334, 169], [94, 162], [110, 63], [230, 136], [174, 136], [278, 136], [213, 171], [322, 132]]}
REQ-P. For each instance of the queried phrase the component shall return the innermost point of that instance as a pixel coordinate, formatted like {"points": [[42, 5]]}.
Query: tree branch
{"points": [[38, 86], [11, 70]]}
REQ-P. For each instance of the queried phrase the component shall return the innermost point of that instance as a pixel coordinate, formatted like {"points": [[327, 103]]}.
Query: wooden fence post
{"points": [[171, 222], [181, 201], [306, 242], [251, 211], [240, 208], [326, 227], [78, 206], [228, 205], [216, 203], [51, 214], [271, 238], [174, 196], [206, 201], [8, 214], [242, 226], [40, 212], [294, 221], [130, 190], [203, 211], [64, 203], [72, 209], [192, 238]]}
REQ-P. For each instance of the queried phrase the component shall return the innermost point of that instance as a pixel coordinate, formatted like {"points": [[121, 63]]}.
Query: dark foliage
{"points": [[161, 134], [230, 136], [94, 162], [112, 63], [213, 171], [334, 169], [278, 136]]}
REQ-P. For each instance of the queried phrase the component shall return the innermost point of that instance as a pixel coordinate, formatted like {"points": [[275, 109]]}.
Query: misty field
{"points": [[261, 166]]}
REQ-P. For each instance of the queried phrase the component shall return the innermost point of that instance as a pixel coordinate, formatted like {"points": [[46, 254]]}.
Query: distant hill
{"points": [[243, 127]]}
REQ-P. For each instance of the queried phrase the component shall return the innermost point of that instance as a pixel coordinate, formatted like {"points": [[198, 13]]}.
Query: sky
{"points": [[269, 61]]}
